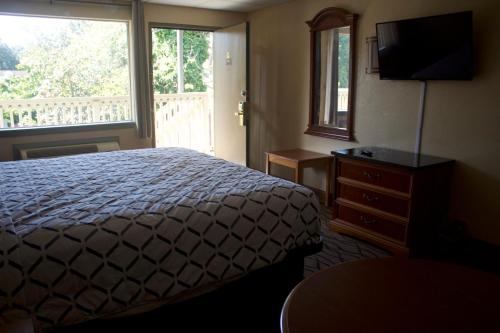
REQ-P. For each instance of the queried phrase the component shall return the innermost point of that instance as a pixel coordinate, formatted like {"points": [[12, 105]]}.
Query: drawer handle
{"points": [[370, 175], [366, 220], [370, 198]]}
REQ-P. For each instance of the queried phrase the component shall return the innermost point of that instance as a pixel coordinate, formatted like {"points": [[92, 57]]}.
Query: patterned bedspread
{"points": [[93, 235]]}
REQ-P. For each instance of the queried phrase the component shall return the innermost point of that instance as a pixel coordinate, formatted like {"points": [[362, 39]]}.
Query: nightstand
{"points": [[298, 159]]}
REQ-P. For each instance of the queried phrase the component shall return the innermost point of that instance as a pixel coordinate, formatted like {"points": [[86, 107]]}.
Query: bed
{"points": [[98, 235]]}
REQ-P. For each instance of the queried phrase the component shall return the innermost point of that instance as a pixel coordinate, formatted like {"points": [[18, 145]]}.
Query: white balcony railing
{"points": [[63, 111], [184, 120], [343, 99], [181, 120]]}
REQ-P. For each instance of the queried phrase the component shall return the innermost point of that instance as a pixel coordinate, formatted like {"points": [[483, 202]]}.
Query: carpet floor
{"points": [[339, 248]]}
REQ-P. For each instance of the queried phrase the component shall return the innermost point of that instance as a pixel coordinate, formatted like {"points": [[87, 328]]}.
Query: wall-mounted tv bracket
{"points": [[372, 53]]}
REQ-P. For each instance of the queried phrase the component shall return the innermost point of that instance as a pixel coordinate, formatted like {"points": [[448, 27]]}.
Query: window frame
{"points": [[41, 130]]}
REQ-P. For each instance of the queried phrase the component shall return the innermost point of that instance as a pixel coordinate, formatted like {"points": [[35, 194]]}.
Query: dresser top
{"points": [[391, 156]]}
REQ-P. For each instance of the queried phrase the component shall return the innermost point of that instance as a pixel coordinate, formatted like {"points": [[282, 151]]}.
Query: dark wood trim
{"points": [[312, 83], [329, 132], [352, 78], [327, 19]]}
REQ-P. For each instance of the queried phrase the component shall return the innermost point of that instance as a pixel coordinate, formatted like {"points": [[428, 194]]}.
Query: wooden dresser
{"points": [[391, 198]]}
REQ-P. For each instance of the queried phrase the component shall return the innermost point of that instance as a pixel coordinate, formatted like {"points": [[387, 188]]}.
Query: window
{"points": [[61, 72]]}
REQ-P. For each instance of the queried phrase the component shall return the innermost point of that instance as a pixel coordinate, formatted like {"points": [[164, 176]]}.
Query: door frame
{"points": [[160, 25], [247, 113]]}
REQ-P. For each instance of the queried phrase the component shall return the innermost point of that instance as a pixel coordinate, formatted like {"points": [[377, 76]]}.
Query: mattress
{"points": [[87, 236]]}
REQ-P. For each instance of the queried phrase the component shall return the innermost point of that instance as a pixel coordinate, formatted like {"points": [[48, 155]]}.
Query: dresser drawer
{"points": [[373, 223], [376, 200], [376, 176]]}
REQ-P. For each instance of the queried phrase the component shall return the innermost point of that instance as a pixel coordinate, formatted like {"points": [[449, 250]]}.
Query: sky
{"points": [[17, 31]]}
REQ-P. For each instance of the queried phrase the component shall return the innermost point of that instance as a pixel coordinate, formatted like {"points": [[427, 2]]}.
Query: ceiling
{"points": [[232, 5]]}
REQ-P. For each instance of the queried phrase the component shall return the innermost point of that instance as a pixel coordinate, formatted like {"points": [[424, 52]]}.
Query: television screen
{"points": [[429, 48]]}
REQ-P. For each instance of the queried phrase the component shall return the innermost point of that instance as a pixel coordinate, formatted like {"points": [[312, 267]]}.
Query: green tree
{"points": [[195, 54], [90, 58], [83, 58], [343, 60], [196, 45], [8, 57], [164, 61]]}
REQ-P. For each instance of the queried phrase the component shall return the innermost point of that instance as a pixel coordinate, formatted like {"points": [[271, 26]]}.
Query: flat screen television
{"points": [[428, 48]]}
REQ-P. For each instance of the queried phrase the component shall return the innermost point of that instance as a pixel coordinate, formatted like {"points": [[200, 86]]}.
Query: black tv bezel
{"points": [[423, 18]]}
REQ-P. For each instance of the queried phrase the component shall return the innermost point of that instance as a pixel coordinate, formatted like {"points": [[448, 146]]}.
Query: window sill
{"points": [[11, 132]]}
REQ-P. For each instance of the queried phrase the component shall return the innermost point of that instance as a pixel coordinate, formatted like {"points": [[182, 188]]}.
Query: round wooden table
{"points": [[394, 295]]}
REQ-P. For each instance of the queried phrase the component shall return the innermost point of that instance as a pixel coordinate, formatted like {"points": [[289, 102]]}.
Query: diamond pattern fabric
{"points": [[86, 236]]}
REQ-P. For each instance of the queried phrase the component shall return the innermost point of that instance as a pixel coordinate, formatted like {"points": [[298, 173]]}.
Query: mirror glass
{"points": [[332, 77]]}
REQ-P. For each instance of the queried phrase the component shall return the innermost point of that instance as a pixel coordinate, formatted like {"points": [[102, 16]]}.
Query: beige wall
{"points": [[153, 13], [462, 119], [191, 16]]}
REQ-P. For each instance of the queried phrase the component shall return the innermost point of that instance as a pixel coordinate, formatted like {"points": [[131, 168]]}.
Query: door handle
{"points": [[241, 119], [242, 110]]}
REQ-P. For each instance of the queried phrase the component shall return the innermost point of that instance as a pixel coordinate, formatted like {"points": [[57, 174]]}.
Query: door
{"points": [[230, 93]]}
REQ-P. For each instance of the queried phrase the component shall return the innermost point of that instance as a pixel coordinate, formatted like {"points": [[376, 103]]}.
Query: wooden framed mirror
{"points": [[332, 74]]}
